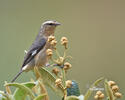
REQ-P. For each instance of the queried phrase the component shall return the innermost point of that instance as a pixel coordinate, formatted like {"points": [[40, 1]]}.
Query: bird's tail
{"points": [[16, 76]]}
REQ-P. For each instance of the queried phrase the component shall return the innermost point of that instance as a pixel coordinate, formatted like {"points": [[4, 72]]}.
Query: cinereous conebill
{"points": [[36, 55]]}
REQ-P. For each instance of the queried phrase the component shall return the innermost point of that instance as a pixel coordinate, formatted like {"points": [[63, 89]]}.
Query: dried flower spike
{"points": [[58, 82], [64, 41], [49, 52], [68, 83], [50, 38], [67, 66], [55, 71], [118, 95]]}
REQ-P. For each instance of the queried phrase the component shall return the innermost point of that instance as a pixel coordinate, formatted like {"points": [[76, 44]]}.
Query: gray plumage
{"points": [[36, 55]]}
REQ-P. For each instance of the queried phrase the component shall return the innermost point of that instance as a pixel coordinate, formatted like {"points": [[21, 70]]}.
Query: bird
{"points": [[36, 55]]}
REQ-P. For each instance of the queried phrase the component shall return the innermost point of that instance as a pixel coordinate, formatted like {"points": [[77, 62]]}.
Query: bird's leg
{"points": [[48, 65], [62, 66]]}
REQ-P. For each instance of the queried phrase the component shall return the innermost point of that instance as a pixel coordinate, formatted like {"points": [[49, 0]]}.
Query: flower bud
{"points": [[67, 66], [49, 52], [68, 83], [115, 88], [53, 42], [96, 97], [60, 61], [50, 38], [101, 96], [58, 82], [111, 83], [55, 71], [118, 95], [64, 41], [98, 93]]}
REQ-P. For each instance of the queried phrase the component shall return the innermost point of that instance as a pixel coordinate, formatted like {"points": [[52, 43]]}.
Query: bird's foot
{"points": [[48, 65], [62, 66]]}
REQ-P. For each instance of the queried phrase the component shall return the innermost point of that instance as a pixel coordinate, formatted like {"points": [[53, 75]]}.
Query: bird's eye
{"points": [[50, 24]]}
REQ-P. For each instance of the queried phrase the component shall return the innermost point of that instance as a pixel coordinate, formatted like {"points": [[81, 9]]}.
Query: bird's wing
{"points": [[34, 50]]}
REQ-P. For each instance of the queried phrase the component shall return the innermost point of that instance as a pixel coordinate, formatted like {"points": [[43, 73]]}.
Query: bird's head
{"points": [[49, 26]]}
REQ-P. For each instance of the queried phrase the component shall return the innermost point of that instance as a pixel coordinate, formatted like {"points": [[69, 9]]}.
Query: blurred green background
{"points": [[95, 30]]}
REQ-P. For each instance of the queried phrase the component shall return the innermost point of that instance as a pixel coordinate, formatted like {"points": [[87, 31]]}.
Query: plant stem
{"points": [[64, 83], [63, 74], [64, 55], [89, 92], [65, 94], [57, 53], [43, 90]]}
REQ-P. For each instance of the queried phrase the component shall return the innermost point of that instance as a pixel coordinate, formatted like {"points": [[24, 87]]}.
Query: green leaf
{"points": [[49, 80], [109, 91], [3, 99], [72, 98], [89, 92], [40, 97], [21, 94], [23, 90]]}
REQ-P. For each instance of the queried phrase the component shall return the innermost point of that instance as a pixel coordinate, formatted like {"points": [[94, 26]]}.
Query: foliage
{"points": [[57, 81]]}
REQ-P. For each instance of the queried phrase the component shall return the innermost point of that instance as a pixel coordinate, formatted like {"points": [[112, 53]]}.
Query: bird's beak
{"points": [[57, 23]]}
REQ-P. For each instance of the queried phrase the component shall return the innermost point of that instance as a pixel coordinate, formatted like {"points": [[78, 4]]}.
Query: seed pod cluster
{"points": [[68, 83], [58, 82], [99, 95], [55, 71], [52, 41], [50, 38], [49, 53], [64, 41], [115, 89], [60, 61], [67, 66]]}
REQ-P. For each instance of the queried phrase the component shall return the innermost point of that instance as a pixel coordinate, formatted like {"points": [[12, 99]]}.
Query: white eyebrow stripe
{"points": [[47, 22]]}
